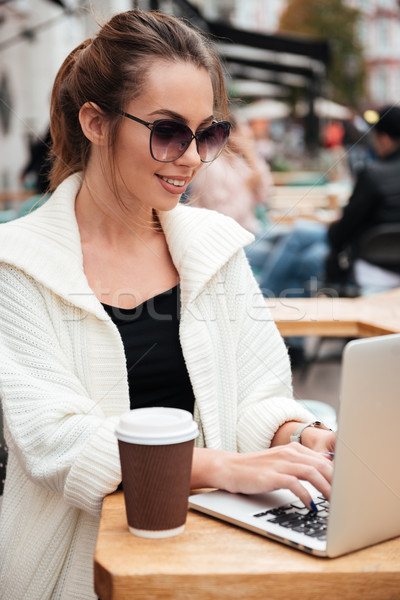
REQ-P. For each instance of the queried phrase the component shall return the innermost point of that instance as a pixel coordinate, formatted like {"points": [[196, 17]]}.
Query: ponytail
{"points": [[70, 148]]}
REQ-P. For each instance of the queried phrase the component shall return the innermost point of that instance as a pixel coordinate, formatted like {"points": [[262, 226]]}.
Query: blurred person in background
{"points": [[356, 142], [332, 134], [260, 128], [239, 185], [313, 250], [333, 154], [36, 172]]}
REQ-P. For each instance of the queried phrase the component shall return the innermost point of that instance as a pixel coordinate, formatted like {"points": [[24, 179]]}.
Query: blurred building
{"points": [[380, 36], [379, 33], [35, 37], [254, 15]]}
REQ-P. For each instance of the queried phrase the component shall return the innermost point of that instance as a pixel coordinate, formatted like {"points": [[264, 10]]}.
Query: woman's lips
{"points": [[173, 184]]}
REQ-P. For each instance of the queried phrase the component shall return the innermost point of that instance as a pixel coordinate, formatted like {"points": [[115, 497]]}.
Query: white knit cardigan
{"points": [[63, 381]]}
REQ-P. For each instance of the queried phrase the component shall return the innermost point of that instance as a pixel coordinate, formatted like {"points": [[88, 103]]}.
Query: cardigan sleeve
{"points": [[52, 424], [265, 395]]}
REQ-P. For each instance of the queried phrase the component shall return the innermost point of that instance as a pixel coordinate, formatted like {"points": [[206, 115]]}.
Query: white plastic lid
{"points": [[156, 426]]}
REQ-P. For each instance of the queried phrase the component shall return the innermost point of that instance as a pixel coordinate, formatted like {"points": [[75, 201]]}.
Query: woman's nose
{"points": [[190, 157]]}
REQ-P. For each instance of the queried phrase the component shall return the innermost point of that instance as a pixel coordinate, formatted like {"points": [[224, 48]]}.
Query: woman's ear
{"points": [[93, 123]]}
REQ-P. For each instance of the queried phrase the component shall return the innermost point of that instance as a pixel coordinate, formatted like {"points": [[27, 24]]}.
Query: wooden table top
{"points": [[288, 216], [338, 317], [15, 196], [214, 560], [321, 203]]}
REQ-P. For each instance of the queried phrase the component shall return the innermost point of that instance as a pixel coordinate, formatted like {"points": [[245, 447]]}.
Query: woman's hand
{"points": [[315, 438], [264, 471], [319, 440]]}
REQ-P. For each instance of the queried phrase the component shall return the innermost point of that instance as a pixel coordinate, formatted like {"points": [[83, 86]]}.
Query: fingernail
{"points": [[313, 507]]}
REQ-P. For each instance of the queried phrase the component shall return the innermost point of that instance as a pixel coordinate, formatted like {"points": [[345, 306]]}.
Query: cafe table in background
{"points": [[364, 316]]}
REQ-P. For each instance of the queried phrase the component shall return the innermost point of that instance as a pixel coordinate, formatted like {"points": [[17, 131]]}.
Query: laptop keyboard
{"points": [[299, 518]]}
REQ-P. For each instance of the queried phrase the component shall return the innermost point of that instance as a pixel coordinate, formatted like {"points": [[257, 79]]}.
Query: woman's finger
{"points": [[313, 476], [294, 485], [298, 454]]}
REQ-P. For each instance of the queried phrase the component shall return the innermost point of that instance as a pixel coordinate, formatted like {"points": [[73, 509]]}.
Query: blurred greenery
{"points": [[333, 21]]}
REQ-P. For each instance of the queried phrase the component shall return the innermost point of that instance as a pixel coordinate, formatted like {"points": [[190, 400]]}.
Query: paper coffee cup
{"points": [[156, 449]]}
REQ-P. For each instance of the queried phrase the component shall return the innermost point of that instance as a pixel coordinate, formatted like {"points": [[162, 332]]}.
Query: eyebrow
{"points": [[177, 117]]}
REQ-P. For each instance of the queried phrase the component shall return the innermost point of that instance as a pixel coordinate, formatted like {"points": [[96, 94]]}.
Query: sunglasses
{"points": [[170, 139]]}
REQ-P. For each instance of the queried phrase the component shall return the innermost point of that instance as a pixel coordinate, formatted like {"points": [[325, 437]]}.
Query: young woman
{"points": [[113, 296]]}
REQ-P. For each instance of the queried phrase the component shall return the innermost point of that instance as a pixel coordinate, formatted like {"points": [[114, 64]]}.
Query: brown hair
{"points": [[111, 69]]}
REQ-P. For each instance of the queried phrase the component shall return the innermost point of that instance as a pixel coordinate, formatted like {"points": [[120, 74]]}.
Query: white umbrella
{"points": [[266, 109], [325, 109]]}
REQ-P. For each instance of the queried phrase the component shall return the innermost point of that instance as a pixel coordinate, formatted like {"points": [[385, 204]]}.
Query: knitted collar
{"points": [[46, 245]]}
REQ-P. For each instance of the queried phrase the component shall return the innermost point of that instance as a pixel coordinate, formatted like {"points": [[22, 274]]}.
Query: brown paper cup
{"points": [[156, 469]]}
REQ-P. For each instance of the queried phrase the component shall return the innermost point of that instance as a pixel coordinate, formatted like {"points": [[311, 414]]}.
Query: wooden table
{"points": [[214, 560], [306, 203], [338, 317], [298, 177], [15, 197], [322, 203], [288, 216]]}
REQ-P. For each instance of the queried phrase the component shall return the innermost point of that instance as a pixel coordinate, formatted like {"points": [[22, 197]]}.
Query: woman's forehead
{"points": [[180, 87]]}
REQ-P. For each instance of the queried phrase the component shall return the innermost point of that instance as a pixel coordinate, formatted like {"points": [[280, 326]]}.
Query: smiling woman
{"points": [[115, 296], [158, 156]]}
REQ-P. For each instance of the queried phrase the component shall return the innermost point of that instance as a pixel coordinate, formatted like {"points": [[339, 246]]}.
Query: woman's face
{"points": [[172, 90]]}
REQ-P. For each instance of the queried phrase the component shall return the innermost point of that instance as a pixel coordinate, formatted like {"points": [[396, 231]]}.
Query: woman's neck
{"points": [[100, 213]]}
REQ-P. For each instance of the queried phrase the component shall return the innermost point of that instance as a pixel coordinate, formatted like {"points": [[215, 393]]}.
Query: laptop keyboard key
{"points": [[297, 517]]}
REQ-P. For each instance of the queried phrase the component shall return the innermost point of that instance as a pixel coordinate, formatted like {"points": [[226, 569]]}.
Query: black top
{"points": [[157, 373]]}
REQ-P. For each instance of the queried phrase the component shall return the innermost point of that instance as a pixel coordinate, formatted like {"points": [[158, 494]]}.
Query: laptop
{"points": [[364, 508]]}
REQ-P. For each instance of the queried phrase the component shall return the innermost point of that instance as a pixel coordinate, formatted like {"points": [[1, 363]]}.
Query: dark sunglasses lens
{"points": [[211, 141], [169, 140]]}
